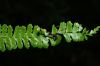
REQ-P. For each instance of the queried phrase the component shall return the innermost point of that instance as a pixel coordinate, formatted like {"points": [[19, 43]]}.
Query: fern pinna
{"points": [[39, 37]]}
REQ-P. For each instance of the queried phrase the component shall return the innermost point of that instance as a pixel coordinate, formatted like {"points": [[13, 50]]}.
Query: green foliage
{"points": [[54, 29], [94, 31], [55, 42], [39, 38]]}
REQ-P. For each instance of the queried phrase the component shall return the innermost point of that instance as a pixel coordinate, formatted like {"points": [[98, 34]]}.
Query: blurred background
{"points": [[45, 13]]}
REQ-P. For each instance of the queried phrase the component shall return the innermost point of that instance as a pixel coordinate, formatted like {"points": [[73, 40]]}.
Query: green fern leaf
{"points": [[69, 26], [54, 29], [2, 45], [77, 27], [62, 27], [67, 37], [40, 38]]}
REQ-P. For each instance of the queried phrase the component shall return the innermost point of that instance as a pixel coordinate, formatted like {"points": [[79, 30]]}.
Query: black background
{"points": [[45, 13]]}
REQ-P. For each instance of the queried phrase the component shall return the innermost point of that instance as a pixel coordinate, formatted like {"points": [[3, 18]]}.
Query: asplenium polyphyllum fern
{"points": [[38, 37]]}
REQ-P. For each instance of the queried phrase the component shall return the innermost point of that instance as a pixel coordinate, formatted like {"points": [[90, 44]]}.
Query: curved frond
{"points": [[40, 38]]}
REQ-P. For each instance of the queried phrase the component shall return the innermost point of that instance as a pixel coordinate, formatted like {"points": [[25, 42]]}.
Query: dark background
{"points": [[45, 13]]}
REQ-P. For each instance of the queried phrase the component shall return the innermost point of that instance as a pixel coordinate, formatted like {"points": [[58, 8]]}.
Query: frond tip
{"points": [[38, 37]]}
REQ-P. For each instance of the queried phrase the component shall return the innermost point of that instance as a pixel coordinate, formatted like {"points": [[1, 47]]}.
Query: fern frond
{"points": [[38, 37]]}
